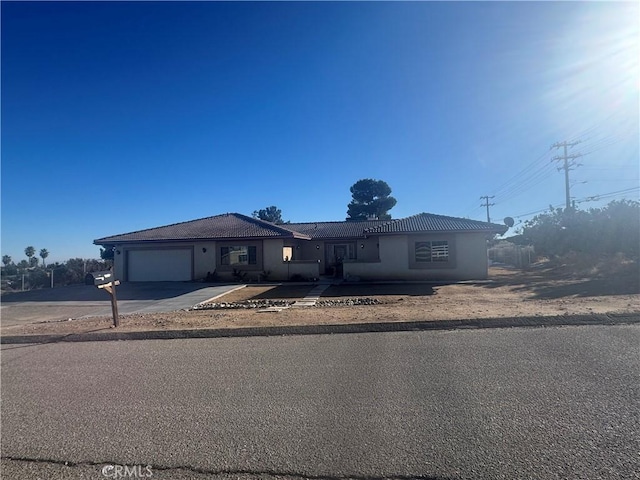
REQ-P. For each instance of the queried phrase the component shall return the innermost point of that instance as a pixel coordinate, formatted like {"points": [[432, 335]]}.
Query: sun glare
{"points": [[595, 71]]}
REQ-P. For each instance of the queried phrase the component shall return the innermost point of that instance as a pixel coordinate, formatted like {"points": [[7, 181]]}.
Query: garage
{"points": [[160, 265]]}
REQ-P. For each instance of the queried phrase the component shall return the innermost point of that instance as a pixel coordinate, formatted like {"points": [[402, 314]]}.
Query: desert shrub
{"points": [[595, 266], [612, 229], [211, 277], [264, 275], [239, 275]]}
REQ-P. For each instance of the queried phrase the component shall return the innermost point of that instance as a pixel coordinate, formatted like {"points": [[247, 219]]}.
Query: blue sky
{"points": [[123, 116]]}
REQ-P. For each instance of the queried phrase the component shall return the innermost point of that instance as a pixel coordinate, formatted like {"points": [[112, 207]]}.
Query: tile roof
{"points": [[428, 222], [228, 225], [235, 225], [342, 229]]}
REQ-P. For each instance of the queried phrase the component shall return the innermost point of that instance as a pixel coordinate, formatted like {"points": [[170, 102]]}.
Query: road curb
{"points": [[574, 320]]}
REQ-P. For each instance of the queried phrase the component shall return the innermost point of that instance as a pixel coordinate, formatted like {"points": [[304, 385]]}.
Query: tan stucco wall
{"points": [[470, 260], [309, 252], [384, 257], [367, 249], [314, 250], [203, 262], [281, 270], [473, 263], [272, 258], [118, 263]]}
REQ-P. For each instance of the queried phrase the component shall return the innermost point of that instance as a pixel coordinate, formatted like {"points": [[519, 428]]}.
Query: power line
{"points": [[592, 198], [536, 178], [539, 170], [546, 209], [509, 183]]}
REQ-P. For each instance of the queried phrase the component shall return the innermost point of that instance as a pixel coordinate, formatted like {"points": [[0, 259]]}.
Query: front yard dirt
{"points": [[542, 291]]}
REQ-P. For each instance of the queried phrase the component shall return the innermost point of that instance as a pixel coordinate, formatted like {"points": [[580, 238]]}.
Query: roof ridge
{"points": [[386, 222], [456, 218], [259, 221], [238, 225], [409, 223], [337, 221]]}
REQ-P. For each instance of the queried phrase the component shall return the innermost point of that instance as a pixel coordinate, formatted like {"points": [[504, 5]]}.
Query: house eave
{"points": [[107, 241], [436, 232]]}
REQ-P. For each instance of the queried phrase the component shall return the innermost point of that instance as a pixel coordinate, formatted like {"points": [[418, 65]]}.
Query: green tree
{"points": [[614, 228], [107, 252], [371, 200], [270, 214], [44, 253], [6, 259]]}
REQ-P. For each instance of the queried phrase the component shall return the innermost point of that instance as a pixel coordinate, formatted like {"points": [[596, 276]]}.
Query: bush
{"points": [[609, 230]]}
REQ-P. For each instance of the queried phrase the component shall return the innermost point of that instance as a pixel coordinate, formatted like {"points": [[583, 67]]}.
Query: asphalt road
{"points": [[535, 403], [79, 301]]}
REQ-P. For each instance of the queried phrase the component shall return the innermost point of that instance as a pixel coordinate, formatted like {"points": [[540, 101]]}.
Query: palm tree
{"points": [[30, 252], [6, 259], [44, 253]]}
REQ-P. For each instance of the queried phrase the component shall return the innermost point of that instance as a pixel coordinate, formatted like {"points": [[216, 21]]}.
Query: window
{"points": [[435, 251], [238, 255], [287, 254]]}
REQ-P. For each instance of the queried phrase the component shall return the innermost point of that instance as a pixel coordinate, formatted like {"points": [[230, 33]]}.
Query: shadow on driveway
{"points": [[87, 301], [365, 290], [126, 291]]}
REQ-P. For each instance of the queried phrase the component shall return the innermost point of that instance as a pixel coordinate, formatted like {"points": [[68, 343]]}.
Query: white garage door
{"points": [[170, 265]]}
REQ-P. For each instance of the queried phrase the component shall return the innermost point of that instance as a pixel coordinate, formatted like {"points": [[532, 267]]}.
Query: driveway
{"points": [[84, 301]]}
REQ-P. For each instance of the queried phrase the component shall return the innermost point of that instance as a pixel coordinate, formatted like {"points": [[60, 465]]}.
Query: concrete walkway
{"points": [[314, 295]]}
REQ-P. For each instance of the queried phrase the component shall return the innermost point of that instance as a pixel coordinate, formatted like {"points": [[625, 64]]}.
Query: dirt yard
{"points": [[542, 291]]}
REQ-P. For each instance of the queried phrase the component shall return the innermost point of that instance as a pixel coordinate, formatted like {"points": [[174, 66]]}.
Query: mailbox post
{"points": [[107, 282]]}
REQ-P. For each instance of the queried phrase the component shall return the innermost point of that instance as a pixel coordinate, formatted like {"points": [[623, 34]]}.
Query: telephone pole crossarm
{"points": [[568, 164], [487, 204]]}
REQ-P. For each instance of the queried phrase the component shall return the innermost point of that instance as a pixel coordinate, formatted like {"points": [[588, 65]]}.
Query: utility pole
{"points": [[487, 204], [568, 164]]}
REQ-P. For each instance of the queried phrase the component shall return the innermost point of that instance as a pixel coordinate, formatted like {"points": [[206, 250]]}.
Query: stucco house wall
{"points": [[368, 249], [206, 260], [473, 262], [420, 247], [278, 269], [204, 256], [468, 259]]}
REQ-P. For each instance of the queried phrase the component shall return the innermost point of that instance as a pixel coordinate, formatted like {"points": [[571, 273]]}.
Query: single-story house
{"points": [[419, 247]]}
